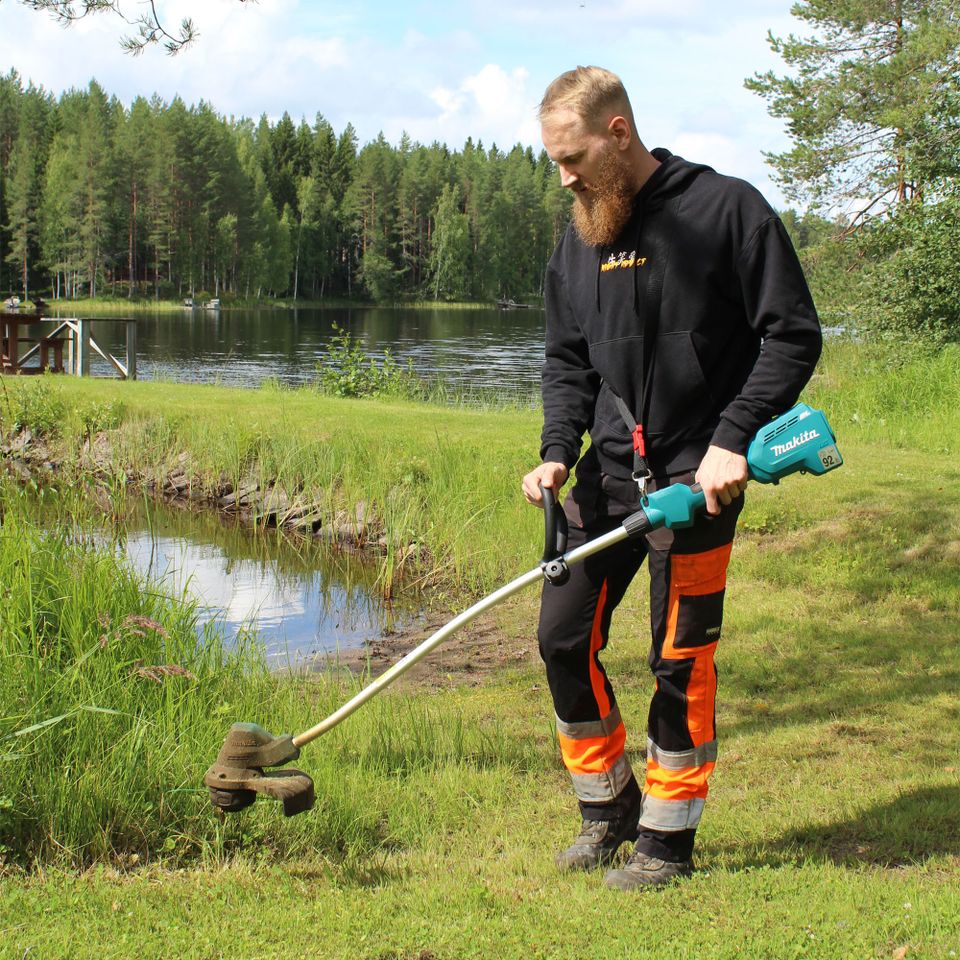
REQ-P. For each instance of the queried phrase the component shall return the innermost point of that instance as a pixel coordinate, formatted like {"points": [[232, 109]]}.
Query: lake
{"points": [[480, 348]]}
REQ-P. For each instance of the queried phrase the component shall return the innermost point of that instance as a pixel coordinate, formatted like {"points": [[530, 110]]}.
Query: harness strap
{"points": [[641, 469]]}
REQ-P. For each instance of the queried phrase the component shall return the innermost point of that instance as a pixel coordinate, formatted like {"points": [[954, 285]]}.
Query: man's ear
{"points": [[619, 129]]}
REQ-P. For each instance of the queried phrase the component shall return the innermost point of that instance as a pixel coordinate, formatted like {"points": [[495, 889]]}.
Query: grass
{"points": [[441, 476], [109, 708], [147, 304], [832, 830]]}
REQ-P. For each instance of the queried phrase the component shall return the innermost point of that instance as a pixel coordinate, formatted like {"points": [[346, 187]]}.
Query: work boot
{"points": [[598, 842], [641, 871]]}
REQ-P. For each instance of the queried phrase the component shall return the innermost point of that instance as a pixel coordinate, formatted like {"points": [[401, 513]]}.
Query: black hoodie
{"points": [[704, 262]]}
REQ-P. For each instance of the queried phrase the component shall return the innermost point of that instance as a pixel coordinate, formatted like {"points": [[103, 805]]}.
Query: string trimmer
{"points": [[799, 441]]}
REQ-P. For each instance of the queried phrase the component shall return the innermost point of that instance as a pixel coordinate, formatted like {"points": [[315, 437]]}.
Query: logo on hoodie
{"points": [[623, 260]]}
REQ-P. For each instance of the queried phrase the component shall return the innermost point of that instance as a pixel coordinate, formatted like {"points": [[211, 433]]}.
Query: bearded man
{"points": [[678, 323]]}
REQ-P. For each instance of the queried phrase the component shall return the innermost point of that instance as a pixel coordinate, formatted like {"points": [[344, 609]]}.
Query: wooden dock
{"points": [[31, 344]]}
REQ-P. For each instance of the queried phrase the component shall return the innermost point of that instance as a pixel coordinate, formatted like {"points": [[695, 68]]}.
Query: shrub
{"points": [[349, 371]]}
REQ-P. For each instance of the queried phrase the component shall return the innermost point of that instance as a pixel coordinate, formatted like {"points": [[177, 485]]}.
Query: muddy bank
{"points": [[476, 650], [252, 502]]}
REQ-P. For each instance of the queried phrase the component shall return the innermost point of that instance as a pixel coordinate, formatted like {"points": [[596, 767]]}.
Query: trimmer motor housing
{"points": [[799, 441]]}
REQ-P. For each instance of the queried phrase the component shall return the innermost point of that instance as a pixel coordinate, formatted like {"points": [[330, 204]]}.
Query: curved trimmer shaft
{"points": [[434, 641], [799, 441]]}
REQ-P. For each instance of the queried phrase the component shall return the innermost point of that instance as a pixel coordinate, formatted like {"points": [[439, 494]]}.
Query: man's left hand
{"points": [[723, 476]]}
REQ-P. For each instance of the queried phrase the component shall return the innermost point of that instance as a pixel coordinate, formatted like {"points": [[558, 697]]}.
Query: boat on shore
{"points": [[512, 305]]}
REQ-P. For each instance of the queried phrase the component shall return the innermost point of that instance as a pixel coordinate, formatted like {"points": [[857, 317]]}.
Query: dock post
{"points": [[131, 349], [82, 356]]}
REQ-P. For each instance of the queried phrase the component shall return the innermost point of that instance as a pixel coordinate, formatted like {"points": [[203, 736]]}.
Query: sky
{"points": [[439, 71]]}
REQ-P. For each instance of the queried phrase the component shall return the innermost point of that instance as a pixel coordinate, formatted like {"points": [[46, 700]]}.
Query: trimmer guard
{"points": [[237, 775]]}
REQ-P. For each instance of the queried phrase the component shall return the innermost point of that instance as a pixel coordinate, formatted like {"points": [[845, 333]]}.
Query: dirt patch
{"points": [[468, 656]]}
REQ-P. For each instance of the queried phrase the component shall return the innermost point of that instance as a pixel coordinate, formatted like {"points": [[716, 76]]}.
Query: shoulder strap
{"points": [[653, 294]]}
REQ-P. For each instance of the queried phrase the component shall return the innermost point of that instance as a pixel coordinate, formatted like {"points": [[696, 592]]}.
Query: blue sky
{"points": [[440, 71]]}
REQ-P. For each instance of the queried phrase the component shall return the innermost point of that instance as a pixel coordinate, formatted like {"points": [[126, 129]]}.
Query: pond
{"points": [[305, 600]]}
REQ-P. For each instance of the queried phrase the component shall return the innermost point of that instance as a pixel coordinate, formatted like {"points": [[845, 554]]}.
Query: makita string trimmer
{"points": [[799, 441]]}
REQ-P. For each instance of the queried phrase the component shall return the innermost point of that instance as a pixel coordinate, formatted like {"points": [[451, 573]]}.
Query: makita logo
{"points": [[779, 449]]}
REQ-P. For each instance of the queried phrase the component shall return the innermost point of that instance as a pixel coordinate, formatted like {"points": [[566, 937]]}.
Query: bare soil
{"points": [[482, 647]]}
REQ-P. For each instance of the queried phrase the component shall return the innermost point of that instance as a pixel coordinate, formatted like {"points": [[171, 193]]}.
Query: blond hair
{"points": [[592, 93]]}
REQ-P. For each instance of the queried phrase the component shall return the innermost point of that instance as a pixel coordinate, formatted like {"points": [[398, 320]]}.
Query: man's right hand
{"points": [[552, 475]]}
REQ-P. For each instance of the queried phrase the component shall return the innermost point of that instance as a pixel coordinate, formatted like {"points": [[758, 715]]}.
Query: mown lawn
{"points": [[833, 827]]}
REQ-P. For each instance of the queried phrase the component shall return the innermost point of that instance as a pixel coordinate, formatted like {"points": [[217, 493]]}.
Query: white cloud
{"points": [[439, 72], [494, 105]]}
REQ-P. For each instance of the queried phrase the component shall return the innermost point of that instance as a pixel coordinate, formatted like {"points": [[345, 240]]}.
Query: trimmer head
{"points": [[237, 775]]}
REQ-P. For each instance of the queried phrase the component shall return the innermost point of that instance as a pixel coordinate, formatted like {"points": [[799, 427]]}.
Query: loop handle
{"points": [[555, 528]]}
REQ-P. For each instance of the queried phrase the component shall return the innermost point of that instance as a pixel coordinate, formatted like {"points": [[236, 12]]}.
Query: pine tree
{"points": [[24, 184], [861, 101]]}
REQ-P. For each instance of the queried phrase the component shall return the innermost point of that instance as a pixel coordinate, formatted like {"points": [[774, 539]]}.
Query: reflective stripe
{"points": [[682, 759], [670, 814], [591, 728], [602, 787]]}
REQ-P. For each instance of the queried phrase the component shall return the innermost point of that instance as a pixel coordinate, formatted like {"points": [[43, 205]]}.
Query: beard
{"points": [[601, 213]]}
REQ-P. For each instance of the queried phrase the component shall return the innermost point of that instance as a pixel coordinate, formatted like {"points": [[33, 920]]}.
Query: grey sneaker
{"points": [[598, 842], [641, 871]]}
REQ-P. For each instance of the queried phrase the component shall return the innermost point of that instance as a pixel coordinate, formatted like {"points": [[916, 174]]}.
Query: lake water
{"points": [[303, 599], [486, 348]]}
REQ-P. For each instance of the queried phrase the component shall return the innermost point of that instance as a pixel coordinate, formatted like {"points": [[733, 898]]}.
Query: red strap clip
{"points": [[638, 443]]}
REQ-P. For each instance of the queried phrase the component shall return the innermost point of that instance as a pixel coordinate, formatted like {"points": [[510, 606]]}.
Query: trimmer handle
{"points": [[555, 532]]}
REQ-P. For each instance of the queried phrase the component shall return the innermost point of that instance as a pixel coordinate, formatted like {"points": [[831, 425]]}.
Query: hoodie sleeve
{"points": [[780, 309], [569, 384]]}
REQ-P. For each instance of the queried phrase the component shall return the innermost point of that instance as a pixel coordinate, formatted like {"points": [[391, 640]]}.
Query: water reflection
{"points": [[301, 599], [469, 348]]}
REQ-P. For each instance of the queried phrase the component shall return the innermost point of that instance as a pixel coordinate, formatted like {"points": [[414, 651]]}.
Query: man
{"points": [[678, 323]]}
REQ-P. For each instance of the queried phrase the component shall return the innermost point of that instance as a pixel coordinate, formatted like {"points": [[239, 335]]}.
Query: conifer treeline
{"points": [[161, 199]]}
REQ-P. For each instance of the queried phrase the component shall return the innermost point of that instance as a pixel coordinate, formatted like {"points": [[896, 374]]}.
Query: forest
{"points": [[167, 200]]}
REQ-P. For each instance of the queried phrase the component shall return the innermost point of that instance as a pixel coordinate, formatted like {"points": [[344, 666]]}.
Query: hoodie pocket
{"points": [[681, 395]]}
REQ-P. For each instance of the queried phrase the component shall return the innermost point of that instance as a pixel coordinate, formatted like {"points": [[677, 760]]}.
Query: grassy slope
{"points": [[833, 828]]}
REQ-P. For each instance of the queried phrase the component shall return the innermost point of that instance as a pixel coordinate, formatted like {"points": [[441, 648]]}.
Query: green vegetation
{"points": [[443, 477], [832, 828], [109, 705], [871, 102], [160, 201], [348, 371]]}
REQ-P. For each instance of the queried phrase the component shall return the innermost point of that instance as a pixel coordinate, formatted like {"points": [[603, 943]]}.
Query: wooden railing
{"points": [[78, 341]]}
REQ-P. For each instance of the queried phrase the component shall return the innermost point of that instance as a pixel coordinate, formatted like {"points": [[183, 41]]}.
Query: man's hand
{"points": [[552, 475], [723, 476]]}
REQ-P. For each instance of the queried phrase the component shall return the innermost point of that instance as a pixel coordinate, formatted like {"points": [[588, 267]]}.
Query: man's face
{"points": [[594, 168]]}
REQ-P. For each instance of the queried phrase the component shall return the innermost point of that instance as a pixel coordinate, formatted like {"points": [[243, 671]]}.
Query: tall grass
{"points": [[112, 706], [881, 394], [441, 479]]}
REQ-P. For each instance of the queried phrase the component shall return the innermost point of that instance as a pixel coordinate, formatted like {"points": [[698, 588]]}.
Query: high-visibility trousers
{"points": [[688, 570]]}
